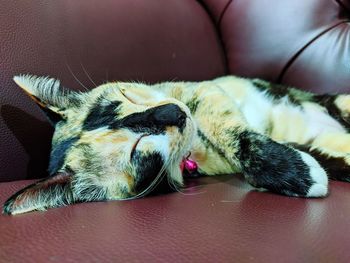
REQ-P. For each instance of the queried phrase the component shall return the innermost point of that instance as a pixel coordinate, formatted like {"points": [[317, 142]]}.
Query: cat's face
{"points": [[118, 137]]}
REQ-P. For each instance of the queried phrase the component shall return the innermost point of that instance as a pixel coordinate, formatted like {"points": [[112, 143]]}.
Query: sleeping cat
{"points": [[117, 141]]}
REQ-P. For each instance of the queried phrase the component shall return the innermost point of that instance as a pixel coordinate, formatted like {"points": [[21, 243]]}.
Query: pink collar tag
{"points": [[189, 166]]}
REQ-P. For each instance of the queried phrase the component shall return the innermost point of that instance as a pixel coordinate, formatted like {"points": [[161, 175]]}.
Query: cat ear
{"points": [[49, 95], [53, 191]]}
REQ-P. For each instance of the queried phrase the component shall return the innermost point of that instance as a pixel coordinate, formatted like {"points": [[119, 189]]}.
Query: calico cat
{"points": [[117, 141]]}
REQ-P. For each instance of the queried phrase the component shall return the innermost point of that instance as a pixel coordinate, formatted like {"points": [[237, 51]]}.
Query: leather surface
{"points": [[296, 42], [345, 4], [221, 221], [304, 43], [149, 41]]}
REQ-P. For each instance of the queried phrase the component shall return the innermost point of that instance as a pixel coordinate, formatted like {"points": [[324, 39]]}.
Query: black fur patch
{"points": [[58, 154], [297, 97], [273, 166], [101, 115], [193, 104], [74, 101], [52, 116], [147, 168], [276, 90], [153, 121], [279, 91]]}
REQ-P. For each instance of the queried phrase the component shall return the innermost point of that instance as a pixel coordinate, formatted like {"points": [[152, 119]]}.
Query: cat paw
{"points": [[282, 169], [319, 187]]}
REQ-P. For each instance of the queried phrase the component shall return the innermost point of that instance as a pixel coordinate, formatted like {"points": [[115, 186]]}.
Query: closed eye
{"points": [[139, 99], [133, 102], [135, 145]]}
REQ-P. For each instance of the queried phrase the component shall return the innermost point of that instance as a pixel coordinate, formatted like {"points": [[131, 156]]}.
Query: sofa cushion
{"points": [[218, 220]]}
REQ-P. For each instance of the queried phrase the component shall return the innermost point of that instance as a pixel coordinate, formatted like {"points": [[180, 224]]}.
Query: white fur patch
{"points": [[256, 110], [318, 175], [317, 190], [158, 143], [319, 121]]}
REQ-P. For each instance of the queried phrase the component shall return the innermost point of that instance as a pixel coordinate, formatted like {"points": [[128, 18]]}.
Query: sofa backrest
{"points": [[303, 43]]}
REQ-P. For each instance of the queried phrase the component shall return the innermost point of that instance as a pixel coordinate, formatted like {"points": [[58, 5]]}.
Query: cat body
{"points": [[118, 140]]}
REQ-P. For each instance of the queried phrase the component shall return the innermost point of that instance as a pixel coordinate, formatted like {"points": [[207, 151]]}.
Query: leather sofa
{"points": [[220, 219]]}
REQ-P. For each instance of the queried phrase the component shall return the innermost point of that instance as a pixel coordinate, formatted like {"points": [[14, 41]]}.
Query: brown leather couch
{"points": [[296, 42]]}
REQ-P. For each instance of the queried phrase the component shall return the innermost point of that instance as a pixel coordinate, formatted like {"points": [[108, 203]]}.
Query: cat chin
{"points": [[175, 174]]}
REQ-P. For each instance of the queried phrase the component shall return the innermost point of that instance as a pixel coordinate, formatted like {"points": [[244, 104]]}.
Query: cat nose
{"points": [[170, 115]]}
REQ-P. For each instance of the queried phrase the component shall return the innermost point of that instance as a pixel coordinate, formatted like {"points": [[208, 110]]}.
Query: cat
{"points": [[118, 140]]}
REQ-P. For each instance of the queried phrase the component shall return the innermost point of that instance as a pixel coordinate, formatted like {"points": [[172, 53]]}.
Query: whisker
{"points": [[87, 74], [154, 184], [230, 201], [181, 190], [81, 84]]}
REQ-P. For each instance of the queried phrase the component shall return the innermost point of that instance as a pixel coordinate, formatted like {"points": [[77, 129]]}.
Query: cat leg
{"points": [[342, 102], [338, 106], [332, 150], [63, 188], [53, 191], [264, 162], [332, 143], [280, 168]]}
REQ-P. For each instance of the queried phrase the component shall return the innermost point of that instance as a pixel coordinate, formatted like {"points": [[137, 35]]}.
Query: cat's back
{"points": [[253, 103]]}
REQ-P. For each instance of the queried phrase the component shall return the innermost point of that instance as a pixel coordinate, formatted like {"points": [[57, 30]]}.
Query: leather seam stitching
{"points": [[223, 13], [218, 31], [303, 48], [218, 26]]}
